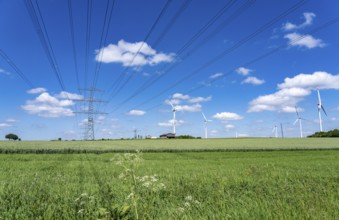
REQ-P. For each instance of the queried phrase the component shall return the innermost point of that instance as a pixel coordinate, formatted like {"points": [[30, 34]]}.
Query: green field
{"points": [[187, 185], [161, 145]]}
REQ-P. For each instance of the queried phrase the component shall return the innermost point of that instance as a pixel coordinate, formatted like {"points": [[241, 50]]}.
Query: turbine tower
{"points": [[320, 107], [299, 119], [275, 131], [205, 123], [174, 120]]}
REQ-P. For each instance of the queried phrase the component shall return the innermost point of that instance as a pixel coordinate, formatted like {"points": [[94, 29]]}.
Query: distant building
{"points": [[168, 135]]}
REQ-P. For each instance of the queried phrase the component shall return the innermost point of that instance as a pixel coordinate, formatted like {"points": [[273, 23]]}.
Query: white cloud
{"points": [[308, 16], [132, 54], [307, 41], [2, 71], [253, 80], [83, 122], [289, 26], [292, 91], [170, 123], [180, 96], [284, 100], [216, 75], [200, 99], [173, 102], [146, 74], [161, 57], [188, 108], [338, 108], [214, 132], [136, 112], [36, 91], [46, 105], [177, 98], [243, 71], [227, 116], [11, 120], [2, 125], [67, 95], [318, 79], [229, 127], [101, 118]]}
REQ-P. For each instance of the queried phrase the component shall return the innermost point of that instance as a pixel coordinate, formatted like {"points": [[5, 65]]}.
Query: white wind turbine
{"points": [[299, 119], [205, 122], [275, 131], [320, 107], [174, 120]]}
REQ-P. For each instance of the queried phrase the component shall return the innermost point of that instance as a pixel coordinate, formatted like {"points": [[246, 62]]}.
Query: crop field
{"points": [[168, 145], [177, 185]]}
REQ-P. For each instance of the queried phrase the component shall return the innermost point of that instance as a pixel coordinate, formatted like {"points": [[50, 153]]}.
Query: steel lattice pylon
{"points": [[89, 132]]}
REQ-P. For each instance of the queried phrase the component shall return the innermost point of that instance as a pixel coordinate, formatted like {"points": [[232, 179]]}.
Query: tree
{"points": [[332, 133], [11, 136]]}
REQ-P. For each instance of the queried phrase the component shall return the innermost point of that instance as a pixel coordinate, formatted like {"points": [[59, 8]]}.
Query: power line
{"points": [[202, 30], [170, 24], [70, 13], [88, 36], [229, 19], [104, 34], [40, 28], [229, 50], [259, 58], [116, 86], [16, 69]]}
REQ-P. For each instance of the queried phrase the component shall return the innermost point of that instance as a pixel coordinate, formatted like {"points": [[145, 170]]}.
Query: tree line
{"points": [[331, 133]]}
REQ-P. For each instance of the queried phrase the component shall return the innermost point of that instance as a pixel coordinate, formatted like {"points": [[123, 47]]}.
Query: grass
{"points": [[199, 185], [161, 145]]}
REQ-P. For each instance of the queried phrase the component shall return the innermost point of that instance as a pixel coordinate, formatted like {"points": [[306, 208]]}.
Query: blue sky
{"points": [[245, 64]]}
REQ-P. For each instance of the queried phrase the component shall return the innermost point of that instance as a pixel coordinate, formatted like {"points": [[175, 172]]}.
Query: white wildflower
{"points": [[84, 195], [130, 196], [187, 204], [188, 198], [181, 209], [154, 178], [121, 176], [146, 184]]}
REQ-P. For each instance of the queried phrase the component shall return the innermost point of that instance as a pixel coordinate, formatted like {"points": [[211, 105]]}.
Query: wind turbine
{"points": [[205, 122], [275, 130], [320, 107], [299, 119], [174, 121]]}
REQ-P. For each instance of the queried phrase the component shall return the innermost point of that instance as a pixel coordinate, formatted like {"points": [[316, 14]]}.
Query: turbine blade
{"points": [[171, 104], [296, 121], [319, 99], [322, 107], [203, 115], [296, 110]]}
